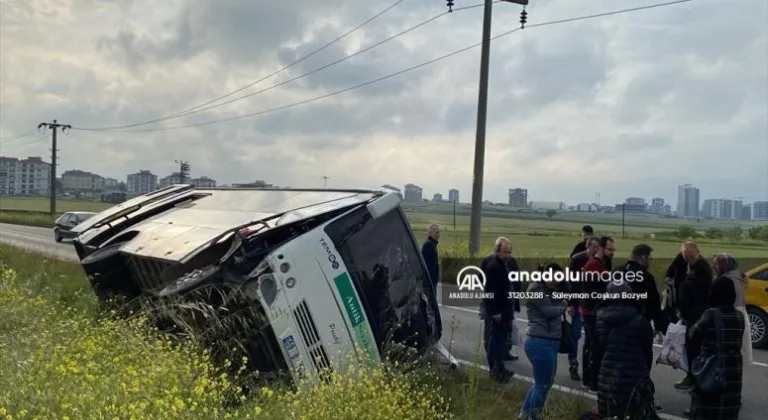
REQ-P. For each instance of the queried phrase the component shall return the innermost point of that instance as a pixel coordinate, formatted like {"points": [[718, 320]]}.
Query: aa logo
{"points": [[471, 278]]}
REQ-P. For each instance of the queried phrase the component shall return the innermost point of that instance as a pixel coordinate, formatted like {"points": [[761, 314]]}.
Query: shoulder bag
{"points": [[707, 368]]}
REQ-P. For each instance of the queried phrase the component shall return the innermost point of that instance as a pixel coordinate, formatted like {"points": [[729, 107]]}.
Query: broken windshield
{"points": [[387, 271]]}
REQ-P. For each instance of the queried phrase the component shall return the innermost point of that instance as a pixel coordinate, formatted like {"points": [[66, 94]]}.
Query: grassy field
{"points": [[60, 358], [40, 204], [532, 239], [580, 218]]}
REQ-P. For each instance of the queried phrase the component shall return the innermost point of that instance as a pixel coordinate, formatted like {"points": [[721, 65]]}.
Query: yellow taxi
{"points": [[757, 304]]}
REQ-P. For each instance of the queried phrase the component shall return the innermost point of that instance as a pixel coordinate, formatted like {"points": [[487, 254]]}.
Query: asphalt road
{"points": [[462, 332]]}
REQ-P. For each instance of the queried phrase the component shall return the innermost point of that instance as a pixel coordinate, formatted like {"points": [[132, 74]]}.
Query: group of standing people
{"points": [[696, 291], [617, 353]]}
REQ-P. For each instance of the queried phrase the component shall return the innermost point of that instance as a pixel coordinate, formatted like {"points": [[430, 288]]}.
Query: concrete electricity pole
{"points": [[54, 126], [482, 112]]}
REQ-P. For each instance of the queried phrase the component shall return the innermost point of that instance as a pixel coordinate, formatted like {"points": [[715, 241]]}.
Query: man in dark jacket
{"points": [[498, 309], [576, 264], [635, 273], [512, 265], [429, 252], [586, 233], [593, 283], [674, 276]]}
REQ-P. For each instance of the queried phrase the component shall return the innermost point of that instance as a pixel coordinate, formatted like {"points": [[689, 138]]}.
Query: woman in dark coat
{"points": [[723, 405], [694, 300], [625, 389]]}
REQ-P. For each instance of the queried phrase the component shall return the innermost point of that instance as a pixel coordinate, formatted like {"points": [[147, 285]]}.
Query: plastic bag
{"points": [[673, 348], [514, 335]]}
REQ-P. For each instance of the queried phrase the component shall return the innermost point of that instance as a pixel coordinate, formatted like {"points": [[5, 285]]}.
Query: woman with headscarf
{"points": [[625, 389], [694, 300], [725, 266], [724, 405]]}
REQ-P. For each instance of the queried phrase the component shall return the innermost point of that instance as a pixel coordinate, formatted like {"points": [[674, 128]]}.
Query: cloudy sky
{"points": [[626, 105]]}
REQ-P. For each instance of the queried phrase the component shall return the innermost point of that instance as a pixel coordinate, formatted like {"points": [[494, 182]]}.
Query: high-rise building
{"points": [[760, 210], [712, 208], [687, 201], [453, 195], [518, 197], [746, 212], [722, 208], [412, 193], [437, 198]]}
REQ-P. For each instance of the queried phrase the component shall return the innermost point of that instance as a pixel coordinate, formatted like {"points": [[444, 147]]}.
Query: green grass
{"points": [[61, 358], [41, 204], [55, 347]]}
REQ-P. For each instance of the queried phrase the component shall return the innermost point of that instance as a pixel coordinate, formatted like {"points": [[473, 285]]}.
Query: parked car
{"points": [[757, 304], [62, 228]]}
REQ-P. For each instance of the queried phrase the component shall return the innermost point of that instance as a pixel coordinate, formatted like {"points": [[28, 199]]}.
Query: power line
{"points": [[4, 142], [301, 76], [409, 69], [196, 109], [19, 136]]}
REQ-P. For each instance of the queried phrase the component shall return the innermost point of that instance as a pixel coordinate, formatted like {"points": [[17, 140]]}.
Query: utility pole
{"points": [[454, 215], [475, 222], [183, 170], [623, 232], [325, 182], [54, 126]]}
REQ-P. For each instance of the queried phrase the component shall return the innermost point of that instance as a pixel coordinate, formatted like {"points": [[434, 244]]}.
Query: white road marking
{"points": [[765, 365], [560, 388]]}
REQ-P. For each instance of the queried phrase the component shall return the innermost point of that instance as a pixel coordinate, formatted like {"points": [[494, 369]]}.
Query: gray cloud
{"points": [[648, 95]]}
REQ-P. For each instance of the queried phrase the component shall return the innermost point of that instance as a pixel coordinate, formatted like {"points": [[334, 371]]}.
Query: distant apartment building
{"points": [[667, 211], [173, 178], [141, 182], [586, 207], [518, 197], [437, 198], [203, 182], [746, 212], [412, 193], [657, 205], [723, 208], [712, 208], [548, 205], [30, 176], [633, 205], [111, 184], [75, 180], [687, 201], [760, 210], [453, 195], [731, 209], [255, 184]]}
